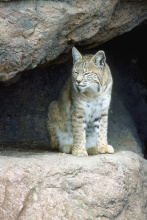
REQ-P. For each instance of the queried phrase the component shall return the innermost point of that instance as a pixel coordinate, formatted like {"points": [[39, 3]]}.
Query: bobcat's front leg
{"points": [[79, 137], [102, 143]]}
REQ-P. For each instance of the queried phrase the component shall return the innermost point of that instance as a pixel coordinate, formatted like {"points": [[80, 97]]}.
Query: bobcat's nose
{"points": [[78, 81]]}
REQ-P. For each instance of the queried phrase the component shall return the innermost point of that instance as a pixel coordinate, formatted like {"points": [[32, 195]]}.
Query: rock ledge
{"points": [[58, 186]]}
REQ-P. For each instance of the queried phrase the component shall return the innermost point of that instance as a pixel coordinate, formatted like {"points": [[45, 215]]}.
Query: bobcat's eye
{"points": [[76, 72], [86, 73]]}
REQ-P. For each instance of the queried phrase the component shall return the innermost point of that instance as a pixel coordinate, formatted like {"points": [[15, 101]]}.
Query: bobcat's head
{"points": [[87, 71]]}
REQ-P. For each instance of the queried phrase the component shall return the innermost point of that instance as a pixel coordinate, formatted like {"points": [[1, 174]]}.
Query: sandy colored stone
{"points": [[59, 186]]}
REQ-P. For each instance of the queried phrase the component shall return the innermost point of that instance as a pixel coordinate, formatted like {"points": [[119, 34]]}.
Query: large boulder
{"points": [[34, 33], [35, 186]]}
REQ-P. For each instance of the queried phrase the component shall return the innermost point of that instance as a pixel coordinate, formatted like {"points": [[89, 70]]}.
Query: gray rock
{"points": [[35, 33], [59, 186]]}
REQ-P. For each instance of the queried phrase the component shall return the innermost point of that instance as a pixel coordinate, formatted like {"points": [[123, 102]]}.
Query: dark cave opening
{"points": [[24, 104], [129, 56]]}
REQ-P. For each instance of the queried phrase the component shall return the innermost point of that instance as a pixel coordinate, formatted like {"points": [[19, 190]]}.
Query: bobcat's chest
{"points": [[92, 110]]}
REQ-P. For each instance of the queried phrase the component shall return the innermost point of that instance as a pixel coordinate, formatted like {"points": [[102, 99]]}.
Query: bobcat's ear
{"points": [[99, 59], [76, 55]]}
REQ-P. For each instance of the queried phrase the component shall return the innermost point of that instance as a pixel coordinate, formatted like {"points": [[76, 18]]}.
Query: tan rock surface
{"points": [[34, 33], [57, 186]]}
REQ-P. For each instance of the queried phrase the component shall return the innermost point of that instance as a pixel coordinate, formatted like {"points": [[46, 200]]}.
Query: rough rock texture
{"points": [[36, 184], [34, 33], [43, 186]]}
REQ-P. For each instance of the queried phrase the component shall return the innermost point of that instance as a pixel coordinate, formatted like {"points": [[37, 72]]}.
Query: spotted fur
{"points": [[77, 121]]}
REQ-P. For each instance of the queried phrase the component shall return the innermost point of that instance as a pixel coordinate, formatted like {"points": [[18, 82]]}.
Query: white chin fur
{"points": [[79, 89]]}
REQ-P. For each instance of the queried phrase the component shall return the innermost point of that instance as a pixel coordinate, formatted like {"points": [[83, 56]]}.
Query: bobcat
{"points": [[77, 121]]}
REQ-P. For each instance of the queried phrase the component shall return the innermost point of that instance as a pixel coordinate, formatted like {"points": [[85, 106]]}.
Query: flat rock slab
{"points": [[35, 186]]}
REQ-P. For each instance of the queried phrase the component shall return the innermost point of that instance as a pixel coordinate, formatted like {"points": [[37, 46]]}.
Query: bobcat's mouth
{"points": [[80, 87]]}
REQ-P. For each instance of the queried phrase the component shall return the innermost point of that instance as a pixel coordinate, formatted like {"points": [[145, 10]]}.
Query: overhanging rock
{"points": [[34, 33]]}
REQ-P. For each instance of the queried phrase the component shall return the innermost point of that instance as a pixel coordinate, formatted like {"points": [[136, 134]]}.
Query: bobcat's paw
{"points": [[110, 149], [66, 149], [80, 153], [102, 149], [92, 151]]}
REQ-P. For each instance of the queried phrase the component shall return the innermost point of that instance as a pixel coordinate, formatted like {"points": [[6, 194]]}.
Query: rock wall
{"points": [[34, 33]]}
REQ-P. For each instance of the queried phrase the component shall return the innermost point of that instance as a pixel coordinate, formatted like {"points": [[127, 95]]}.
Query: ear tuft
{"points": [[76, 55], [99, 59]]}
